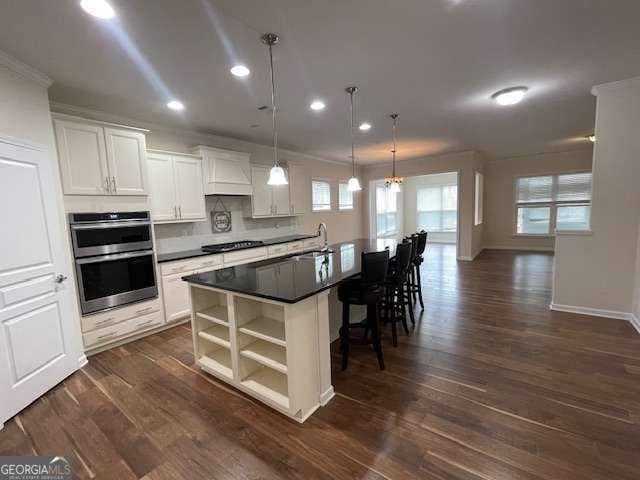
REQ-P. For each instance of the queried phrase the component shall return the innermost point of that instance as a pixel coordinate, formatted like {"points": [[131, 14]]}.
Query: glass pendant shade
{"points": [[354, 185], [394, 187], [277, 176]]}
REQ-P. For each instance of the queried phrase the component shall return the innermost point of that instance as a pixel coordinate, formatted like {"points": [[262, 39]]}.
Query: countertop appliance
{"points": [[114, 258], [228, 247]]}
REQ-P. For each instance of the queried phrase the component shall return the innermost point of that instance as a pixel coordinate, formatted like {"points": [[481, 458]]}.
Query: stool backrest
{"points": [[374, 267], [413, 239], [422, 243], [403, 257]]}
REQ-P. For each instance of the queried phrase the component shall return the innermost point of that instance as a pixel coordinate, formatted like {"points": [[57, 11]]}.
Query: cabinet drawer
{"points": [[244, 256], [277, 250], [295, 246], [117, 315], [198, 263], [311, 243], [114, 332]]}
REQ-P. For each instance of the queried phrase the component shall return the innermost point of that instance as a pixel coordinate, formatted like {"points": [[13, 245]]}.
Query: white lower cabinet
{"points": [[176, 297]]}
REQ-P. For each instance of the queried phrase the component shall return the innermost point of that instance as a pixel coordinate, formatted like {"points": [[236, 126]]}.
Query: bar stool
{"points": [[410, 277], [394, 305], [415, 285], [366, 290]]}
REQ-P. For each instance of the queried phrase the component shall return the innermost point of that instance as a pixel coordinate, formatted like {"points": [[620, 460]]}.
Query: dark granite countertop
{"points": [[293, 278], [185, 254]]}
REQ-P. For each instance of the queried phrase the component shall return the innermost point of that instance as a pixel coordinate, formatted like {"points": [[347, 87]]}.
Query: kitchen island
{"points": [[263, 327]]}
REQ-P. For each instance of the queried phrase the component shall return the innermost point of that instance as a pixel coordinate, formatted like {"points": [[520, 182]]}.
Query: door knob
{"points": [[60, 278]]}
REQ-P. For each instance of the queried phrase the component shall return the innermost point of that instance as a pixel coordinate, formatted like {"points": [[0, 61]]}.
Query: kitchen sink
{"points": [[311, 254]]}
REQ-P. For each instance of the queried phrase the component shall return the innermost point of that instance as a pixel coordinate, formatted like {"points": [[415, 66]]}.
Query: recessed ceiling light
{"points": [[175, 105], [365, 127], [592, 138], [240, 71], [509, 96], [98, 8], [317, 105]]}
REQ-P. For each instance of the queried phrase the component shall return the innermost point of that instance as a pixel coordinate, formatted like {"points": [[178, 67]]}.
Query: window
{"points": [[321, 195], [437, 208], [345, 197], [549, 203], [479, 199], [386, 212]]}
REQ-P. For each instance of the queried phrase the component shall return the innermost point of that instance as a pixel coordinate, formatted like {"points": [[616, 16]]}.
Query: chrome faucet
{"points": [[323, 228]]}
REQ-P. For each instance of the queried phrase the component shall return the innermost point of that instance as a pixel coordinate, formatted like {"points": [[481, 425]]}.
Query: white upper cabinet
{"points": [[282, 198], [83, 158], [261, 205], [226, 172], [177, 194], [299, 188], [97, 159], [162, 189], [127, 161]]}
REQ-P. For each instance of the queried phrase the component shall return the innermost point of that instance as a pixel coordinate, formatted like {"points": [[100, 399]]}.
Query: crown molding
{"points": [[24, 70], [628, 82], [203, 137]]}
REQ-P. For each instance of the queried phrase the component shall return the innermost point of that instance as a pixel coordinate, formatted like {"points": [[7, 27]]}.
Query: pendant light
{"points": [[393, 182], [276, 175], [354, 183]]}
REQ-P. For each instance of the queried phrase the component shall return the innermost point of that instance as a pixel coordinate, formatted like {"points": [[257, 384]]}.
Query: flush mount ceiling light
{"points": [[175, 105], [592, 138], [240, 71], [317, 105], [354, 183], [394, 181], [365, 127], [510, 96], [276, 175], [98, 8]]}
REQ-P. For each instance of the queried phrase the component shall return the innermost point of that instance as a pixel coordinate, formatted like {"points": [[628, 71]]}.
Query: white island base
{"points": [[275, 352]]}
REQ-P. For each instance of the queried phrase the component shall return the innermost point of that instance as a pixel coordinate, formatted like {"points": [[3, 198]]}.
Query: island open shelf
{"points": [[275, 352]]}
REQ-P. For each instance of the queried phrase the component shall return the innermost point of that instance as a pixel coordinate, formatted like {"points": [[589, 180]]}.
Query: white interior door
{"points": [[127, 161], [162, 187], [40, 342], [189, 188]]}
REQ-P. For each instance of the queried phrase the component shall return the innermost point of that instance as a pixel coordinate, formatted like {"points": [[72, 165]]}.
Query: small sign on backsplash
{"points": [[220, 218]]}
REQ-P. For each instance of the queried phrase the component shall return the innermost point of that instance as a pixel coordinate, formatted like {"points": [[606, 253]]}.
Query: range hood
{"points": [[225, 172]]}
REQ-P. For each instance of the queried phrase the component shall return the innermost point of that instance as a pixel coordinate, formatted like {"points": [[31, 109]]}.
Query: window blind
{"points": [[574, 187], [567, 187], [535, 189], [321, 193]]}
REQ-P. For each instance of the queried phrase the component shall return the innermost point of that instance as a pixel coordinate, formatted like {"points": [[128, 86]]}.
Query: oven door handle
{"points": [[115, 256], [96, 226]]}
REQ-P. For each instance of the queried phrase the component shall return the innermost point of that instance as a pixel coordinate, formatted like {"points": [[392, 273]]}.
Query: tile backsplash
{"points": [[174, 237]]}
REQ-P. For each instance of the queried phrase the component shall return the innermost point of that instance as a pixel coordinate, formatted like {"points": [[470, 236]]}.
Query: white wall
{"points": [[499, 194], [410, 193], [466, 163], [598, 271]]}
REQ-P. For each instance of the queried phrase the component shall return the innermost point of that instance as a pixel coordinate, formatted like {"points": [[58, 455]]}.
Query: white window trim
{"points": [[325, 180], [554, 205], [350, 208], [475, 199]]}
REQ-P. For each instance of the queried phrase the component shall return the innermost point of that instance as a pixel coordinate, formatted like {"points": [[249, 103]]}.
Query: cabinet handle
{"points": [[145, 309], [105, 320], [107, 335], [291, 206], [175, 211], [107, 184], [115, 189], [144, 323], [180, 210]]}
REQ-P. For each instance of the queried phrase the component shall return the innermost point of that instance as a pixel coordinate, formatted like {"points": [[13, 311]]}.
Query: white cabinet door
{"points": [[126, 156], [40, 339], [189, 189], [262, 200], [281, 198], [177, 303], [83, 158], [299, 188], [162, 187]]}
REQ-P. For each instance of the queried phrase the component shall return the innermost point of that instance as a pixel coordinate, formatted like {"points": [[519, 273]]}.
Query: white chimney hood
{"points": [[225, 172]]}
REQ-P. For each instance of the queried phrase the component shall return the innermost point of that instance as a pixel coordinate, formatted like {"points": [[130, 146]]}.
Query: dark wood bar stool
{"points": [[415, 283], [367, 290], [409, 279], [395, 303]]}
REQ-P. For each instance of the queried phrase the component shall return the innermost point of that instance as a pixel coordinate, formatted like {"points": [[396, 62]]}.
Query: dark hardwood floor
{"points": [[489, 385]]}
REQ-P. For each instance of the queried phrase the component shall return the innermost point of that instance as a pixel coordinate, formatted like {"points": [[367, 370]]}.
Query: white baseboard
{"points": [[82, 361], [596, 312], [532, 249], [472, 257], [635, 321]]}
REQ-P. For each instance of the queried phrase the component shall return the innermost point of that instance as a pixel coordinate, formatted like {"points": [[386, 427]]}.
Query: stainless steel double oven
{"points": [[114, 258]]}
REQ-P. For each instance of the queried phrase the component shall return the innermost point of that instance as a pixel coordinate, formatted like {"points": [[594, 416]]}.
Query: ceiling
{"points": [[435, 62]]}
